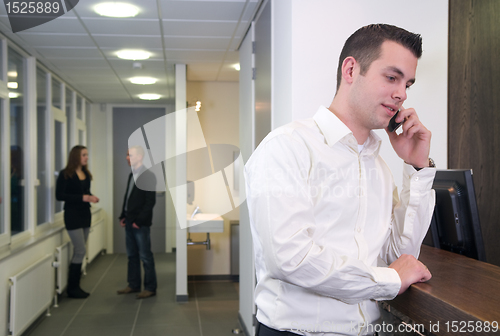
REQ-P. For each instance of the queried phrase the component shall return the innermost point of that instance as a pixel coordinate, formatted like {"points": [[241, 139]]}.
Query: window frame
{"points": [[59, 116], [5, 143]]}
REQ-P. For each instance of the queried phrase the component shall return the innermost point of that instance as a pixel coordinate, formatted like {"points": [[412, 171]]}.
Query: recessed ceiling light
{"points": [[143, 80], [14, 95], [12, 85], [237, 66], [133, 54], [149, 96], [116, 9], [12, 73]]}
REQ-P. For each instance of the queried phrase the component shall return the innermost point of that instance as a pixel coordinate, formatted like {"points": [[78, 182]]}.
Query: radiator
{"points": [[62, 266], [31, 292], [96, 240]]}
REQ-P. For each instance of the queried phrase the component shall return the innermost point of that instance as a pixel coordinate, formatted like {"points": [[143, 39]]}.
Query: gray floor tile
{"points": [[99, 331], [165, 330], [212, 308], [103, 320]]}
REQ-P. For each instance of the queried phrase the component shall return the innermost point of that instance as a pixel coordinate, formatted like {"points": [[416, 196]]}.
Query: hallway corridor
{"points": [[212, 308]]}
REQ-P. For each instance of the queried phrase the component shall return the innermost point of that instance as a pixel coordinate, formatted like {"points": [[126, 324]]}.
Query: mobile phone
{"points": [[393, 125]]}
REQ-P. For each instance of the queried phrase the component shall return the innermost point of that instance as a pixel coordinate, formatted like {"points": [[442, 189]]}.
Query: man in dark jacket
{"points": [[136, 218]]}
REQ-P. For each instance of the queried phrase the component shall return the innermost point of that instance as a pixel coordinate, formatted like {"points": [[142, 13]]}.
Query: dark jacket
{"points": [[71, 190], [141, 202]]}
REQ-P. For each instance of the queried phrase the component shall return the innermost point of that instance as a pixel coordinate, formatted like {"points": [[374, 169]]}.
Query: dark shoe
{"points": [[77, 293], [145, 294], [127, 290], [74, 290]]}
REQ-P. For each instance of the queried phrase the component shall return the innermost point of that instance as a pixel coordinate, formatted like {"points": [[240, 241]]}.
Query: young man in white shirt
{"points": [[323, 204]]}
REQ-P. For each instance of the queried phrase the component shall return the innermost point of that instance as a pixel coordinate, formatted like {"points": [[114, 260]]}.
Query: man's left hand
{"points": [[413, 144], [135, 226]]}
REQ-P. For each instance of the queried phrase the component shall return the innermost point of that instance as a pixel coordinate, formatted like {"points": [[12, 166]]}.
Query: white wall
{"points": [[247, 143], [318, 30], [99, 144], [219, 119]]}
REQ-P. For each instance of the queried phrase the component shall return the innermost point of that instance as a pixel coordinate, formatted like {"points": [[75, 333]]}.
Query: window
{"points": [[4, 234], [81, 137], [87, 114], [59, 153], [2, 180], [42, 139], [69, 117], [79, 108], [56, 93], [16, 75], [60, 129], [81, 127]]}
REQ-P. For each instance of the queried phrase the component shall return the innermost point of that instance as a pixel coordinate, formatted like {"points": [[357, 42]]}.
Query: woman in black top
{"points": [[73, 187]]}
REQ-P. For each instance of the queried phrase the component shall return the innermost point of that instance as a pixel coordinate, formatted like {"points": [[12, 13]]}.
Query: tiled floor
{"points": [[212, 308]]}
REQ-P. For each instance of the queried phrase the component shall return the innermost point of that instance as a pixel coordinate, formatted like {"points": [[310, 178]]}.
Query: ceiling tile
{"points": [[89, 64], [128, 26], [78, 53], [147, 65], [202, 10], [188, 56], [39, 40], [63, 24], [127, 42], [199, 28], [232, 56], [197, 43]]}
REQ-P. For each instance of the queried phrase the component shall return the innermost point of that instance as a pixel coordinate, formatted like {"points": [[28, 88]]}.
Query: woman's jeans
{"points": [[138, 243], [78, 239]]}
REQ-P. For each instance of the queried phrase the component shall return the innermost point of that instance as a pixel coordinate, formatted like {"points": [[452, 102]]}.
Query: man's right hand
{"points": [[122, 222], [410, 271]]}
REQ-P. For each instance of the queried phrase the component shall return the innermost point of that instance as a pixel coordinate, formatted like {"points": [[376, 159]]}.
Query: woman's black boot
{"points": [[74, 290]]}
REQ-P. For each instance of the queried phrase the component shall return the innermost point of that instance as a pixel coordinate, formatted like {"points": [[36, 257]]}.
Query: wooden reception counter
{"points": [[462, 298]]}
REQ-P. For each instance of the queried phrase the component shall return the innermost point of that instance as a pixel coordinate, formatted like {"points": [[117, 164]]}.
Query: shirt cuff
{"points": [[388, 281], [421, 180]]}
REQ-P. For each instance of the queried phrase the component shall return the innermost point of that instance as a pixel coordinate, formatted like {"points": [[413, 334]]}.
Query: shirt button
{"points": [[359, 229], [411, 214], [416, 178]]}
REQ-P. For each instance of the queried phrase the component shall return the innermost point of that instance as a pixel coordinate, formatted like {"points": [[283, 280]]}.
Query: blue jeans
{"points": [[139, 249]]}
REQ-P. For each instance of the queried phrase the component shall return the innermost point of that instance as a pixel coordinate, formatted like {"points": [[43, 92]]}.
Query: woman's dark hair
{"points": [[365, 45], [74, 160]]}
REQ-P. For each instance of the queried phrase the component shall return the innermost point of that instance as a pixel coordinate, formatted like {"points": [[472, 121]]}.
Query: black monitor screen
{"points": [[455, 223]]}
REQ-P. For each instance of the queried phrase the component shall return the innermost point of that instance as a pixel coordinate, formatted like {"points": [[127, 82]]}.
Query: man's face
{"points": [[128, 157], [376, 96], [133, 159]]}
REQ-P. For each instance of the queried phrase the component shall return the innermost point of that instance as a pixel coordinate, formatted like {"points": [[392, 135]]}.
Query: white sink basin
{"points": [[205, 222]]}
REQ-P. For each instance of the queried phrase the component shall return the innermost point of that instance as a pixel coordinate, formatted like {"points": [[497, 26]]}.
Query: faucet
{"points": [[195, 212]]}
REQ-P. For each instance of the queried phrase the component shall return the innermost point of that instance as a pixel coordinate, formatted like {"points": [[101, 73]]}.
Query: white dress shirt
{"points": [[322, 216]]}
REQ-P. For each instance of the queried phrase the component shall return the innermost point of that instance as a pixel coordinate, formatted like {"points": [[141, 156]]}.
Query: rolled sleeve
{"points": [[412, 212]]}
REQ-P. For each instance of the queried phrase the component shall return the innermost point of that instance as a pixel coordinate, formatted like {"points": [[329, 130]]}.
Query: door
{"points": [[125, 122]]}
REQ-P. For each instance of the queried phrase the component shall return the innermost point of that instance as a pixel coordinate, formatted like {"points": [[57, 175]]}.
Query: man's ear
{"points": [[348, 67]]}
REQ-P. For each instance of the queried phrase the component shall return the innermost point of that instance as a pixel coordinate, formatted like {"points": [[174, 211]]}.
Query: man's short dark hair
{"points": [[365, 45]]}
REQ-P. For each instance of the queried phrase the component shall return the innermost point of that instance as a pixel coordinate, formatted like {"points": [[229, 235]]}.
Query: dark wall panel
{"points": [[474, 107]]}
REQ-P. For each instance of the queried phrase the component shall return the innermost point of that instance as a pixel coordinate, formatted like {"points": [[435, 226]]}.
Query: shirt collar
{"points": [[139, 170], [334, 130]]}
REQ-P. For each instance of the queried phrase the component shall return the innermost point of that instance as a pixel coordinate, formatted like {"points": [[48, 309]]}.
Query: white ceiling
{"points": [[80, 47]]}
